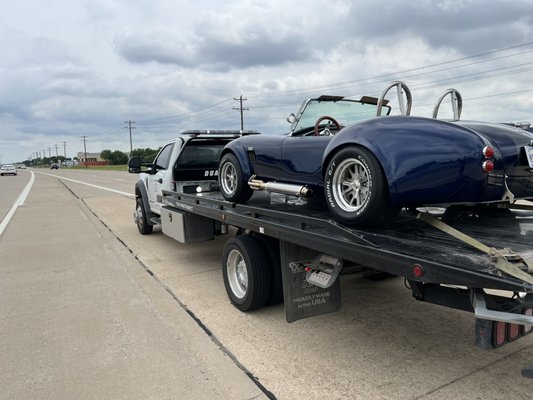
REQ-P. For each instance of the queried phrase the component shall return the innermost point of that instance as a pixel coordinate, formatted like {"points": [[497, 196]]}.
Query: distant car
{"points": [[367, 167], [54, 166], [8, 169]]}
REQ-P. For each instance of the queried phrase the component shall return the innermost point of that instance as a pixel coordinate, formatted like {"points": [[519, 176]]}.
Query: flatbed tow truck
{"points": [[475, 259], [438, 267]]}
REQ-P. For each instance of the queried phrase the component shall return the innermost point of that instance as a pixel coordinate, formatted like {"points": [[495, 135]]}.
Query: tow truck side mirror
{"points": [[134, 165]]}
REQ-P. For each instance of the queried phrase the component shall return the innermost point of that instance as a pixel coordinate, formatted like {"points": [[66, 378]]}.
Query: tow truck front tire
{"points": [[141, 219], [246, 272]]}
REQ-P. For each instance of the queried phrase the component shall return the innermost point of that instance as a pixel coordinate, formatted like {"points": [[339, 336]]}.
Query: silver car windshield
{"points": [[344, 111]]}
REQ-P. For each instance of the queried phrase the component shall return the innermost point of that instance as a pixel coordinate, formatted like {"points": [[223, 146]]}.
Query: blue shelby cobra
{"points": [[367, 166]]}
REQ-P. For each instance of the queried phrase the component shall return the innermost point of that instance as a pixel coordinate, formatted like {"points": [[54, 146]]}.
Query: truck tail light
{"points": [[513, 332], [499, 334], [493, 334], [527, 329]]}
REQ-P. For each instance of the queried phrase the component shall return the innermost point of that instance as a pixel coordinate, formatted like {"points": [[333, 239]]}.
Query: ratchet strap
{"points": [[503, 258]]}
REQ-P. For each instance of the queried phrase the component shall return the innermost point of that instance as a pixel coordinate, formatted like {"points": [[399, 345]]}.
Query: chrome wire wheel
{"points": [[237, 274], [351, 185], [228, 178]]}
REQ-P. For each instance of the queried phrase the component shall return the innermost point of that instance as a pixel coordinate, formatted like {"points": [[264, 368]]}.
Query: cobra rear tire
{"points": [[356, 188], [233, 186], [246, 272], [141, 218]]}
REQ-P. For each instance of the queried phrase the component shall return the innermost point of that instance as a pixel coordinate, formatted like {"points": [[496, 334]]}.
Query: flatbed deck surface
{"points": [[395, 248]]}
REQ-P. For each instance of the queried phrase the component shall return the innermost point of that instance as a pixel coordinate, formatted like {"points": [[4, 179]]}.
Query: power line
{"points": [[241, 109], [398, 73], [177, 116], [85, 149], [130, 128]]}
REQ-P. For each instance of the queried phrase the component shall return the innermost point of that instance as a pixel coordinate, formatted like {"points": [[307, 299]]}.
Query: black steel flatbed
{"points": [[395, 249]]}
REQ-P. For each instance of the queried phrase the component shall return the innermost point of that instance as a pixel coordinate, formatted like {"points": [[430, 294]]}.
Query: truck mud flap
{"points": [[302, 298]]}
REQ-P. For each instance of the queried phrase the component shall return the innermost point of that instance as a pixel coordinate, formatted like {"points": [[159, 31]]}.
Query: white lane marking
{"points": [[19, 202], [90, 184]]}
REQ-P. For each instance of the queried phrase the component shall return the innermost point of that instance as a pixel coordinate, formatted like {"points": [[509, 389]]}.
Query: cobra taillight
{"points": [[488, 154], [487, 166]]}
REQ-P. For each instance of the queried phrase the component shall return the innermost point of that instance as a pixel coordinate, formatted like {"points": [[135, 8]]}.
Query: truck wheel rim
{"points": [[237, 274], [351, 185], [229, 178], [139, 216]]}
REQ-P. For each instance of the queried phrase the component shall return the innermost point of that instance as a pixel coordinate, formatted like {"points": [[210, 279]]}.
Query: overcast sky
{"points": [[73, 68]]}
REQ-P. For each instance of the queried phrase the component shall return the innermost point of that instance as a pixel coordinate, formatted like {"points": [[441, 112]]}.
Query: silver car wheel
{"points": [[228, 178], [351, 185], [237, 274], [139, 215]]}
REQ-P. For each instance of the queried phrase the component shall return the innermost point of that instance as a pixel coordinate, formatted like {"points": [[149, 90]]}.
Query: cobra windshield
{"points": [[345, 111]]}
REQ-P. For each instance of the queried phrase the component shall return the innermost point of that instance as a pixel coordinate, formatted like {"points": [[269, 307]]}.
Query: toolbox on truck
{"points": [[186, 227]]}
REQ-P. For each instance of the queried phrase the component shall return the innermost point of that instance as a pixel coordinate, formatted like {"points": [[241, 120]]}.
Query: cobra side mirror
{"points": [[291, 119]]}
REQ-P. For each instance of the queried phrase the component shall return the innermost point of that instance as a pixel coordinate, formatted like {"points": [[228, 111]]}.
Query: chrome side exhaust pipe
{"points": [[282, 188]]}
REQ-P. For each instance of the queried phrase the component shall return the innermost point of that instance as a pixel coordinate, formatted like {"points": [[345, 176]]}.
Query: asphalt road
{"points": [[10, 188], [382, 344]]}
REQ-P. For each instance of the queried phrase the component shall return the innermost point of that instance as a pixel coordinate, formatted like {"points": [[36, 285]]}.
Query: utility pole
{"points": [[130, 128], [56, 146], [49, 152], [241, 109], [65, 150], [85, 149]]}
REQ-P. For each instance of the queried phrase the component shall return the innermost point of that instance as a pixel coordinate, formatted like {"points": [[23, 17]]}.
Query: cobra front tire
{"points": [[356, 188], [233, 186], [246, 273]]}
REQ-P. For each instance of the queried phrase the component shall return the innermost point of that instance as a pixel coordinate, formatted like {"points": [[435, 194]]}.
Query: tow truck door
{"points": [[159, 177]]}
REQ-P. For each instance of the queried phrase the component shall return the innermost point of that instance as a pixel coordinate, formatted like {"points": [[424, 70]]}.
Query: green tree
{"points": [[118, 158], [106, 155], [147, 155]]}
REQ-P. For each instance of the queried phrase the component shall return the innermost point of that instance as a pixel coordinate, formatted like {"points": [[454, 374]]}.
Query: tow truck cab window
{"points": [[205, 154], [163, 159], [198, 160]]}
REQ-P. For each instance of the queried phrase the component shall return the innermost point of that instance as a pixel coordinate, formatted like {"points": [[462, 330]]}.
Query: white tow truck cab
{"points": [[186, 164]]}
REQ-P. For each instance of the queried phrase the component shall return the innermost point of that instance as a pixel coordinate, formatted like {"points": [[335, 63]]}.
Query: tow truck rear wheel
{"points": [[271, 246], [141, 219], [246, 272]]}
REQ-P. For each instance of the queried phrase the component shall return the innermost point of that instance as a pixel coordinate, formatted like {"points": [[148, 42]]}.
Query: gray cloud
{"points": [[106, 61], [213, 53], [467, 25]]}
